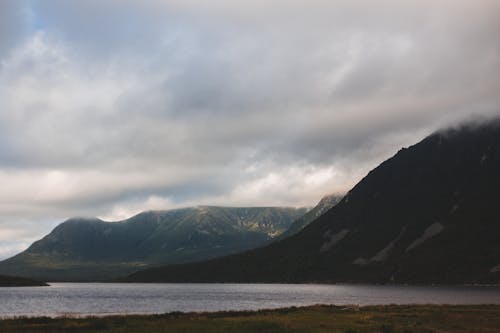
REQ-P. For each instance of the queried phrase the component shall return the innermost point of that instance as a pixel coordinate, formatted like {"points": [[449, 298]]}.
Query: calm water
{"points": [[100, 299]]}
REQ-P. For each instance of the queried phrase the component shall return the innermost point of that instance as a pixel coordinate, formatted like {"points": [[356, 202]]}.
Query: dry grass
{"points": [[314, 319]]}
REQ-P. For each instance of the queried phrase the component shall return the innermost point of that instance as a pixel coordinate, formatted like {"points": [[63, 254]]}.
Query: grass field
{"points": [[385, 319]]}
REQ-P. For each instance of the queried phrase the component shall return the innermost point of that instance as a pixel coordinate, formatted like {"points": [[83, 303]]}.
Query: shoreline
{"points": [[7, 281], [295, 283], [222, 313]]}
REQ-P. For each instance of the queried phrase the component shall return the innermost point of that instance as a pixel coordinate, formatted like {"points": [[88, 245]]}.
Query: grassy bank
{"points": [[385, 319]]}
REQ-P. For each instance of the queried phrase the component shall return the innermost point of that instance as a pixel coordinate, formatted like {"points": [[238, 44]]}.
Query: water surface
{"points": [[84, 299]]}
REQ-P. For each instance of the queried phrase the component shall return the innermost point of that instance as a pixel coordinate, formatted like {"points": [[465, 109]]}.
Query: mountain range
{"points": [[91, 249], [427, 215]]}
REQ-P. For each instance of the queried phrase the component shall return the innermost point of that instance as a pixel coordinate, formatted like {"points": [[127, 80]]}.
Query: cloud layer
{"points": [[108, 108]]}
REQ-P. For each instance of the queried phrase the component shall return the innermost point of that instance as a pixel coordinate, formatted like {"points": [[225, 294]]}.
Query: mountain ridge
{"points": [[93, 249]]}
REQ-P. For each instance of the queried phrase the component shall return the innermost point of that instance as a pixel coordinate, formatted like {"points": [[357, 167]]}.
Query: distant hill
{"points": [[13, 281], [427, 215], [91, 249]]}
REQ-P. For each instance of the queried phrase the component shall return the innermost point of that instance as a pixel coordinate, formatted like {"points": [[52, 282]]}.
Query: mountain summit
{"points": [[427, 215]]}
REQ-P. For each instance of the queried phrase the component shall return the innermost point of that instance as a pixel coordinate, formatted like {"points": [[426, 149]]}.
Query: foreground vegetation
{"points": [[385, 319]]}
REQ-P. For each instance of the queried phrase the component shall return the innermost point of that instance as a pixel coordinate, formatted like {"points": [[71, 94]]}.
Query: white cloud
{"points": [[129, 208]]}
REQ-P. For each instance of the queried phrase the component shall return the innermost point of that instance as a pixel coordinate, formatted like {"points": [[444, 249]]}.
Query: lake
{"points": [[82, 299]]}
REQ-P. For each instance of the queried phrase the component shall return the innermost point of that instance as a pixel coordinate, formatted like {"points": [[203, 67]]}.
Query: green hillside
{"points": [[91, 249]]}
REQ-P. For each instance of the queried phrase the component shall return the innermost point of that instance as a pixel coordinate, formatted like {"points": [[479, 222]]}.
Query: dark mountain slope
{"points": [[91, 249], [427, 215]]}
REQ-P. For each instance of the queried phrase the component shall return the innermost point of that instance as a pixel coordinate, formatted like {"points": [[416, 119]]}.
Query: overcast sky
{"points": [[108, 108]]}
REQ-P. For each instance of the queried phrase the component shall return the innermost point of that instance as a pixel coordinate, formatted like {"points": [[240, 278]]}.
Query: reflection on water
{"points": [[107, 298]]}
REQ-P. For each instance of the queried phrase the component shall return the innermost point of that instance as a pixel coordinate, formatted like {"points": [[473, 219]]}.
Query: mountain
{"points": [[427, 215], [323, 206], [91, 249], [13, 281]]}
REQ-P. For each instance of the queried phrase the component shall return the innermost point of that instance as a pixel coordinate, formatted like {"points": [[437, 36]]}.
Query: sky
{"points": [[109, 108]]}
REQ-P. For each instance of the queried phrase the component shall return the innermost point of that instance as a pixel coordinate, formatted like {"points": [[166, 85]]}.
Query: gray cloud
{"points": [[108, 108], [12, 18]]}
